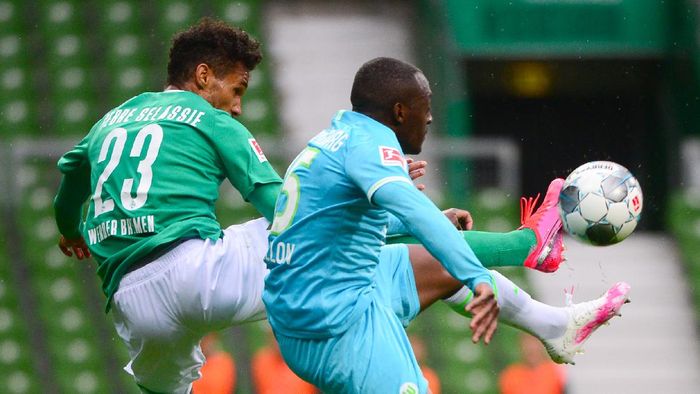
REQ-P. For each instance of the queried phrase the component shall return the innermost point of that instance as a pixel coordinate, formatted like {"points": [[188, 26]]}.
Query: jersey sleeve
{"points": [[264, 198], [244, 162], [73, 190], [430, 226], [372, 162], [395, 226]]}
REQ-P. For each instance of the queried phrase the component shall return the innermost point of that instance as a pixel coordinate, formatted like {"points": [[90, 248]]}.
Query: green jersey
{"points": [[152, 169]]}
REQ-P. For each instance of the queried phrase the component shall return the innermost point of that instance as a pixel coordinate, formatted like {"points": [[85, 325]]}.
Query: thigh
{"points": [[396, 283], [164, 354], [373, 356], [226, 286]]}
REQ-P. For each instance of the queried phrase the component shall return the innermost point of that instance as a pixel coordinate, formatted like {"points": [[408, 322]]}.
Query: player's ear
{"points": [[399, 113], [202, 74]]}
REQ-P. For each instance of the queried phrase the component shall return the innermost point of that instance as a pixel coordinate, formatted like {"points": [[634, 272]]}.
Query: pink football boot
{"points": [[548, 253]]}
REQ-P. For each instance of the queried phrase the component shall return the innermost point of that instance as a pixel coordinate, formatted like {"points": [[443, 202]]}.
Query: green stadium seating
{"points": [[69, 61], [18, 115], [12, 16], [175, 16], [74, 349], [14, 39], [244, 14], [19, 373], [17, 102], [118, 17], [127, 65], [684, 221], [128, 50], [60, 17]]}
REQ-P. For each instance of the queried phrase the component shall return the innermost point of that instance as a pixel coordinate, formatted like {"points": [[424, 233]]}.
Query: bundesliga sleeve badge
{"points": [[257, 149], [392, 157]]}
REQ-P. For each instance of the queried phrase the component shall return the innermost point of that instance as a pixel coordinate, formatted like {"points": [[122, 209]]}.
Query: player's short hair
{"points": [[214, 43], [380, 83]]}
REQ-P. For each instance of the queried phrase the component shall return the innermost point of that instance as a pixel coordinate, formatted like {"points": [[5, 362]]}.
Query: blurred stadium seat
{"points": [[127, 68], [15, 346], [684, 222], [68, 64], [64, 64], [16, 101], [73, 346]]}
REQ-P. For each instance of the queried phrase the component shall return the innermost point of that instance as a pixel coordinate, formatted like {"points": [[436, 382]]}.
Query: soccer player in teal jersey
{"points": [[337, 297], [150, 170]]}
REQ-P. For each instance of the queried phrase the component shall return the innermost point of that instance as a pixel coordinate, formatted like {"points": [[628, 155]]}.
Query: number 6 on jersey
{"points": [[290, 191]]}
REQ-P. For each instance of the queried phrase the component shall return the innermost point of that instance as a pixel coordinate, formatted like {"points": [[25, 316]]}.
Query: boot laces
{"points": [[527, 207]]}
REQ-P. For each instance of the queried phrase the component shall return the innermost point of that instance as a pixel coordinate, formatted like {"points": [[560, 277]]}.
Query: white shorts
{"points": [[163, 309]]}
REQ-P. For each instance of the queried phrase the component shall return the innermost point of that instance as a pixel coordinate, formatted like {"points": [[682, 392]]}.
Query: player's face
{"points": [[226, 92], [416, 118]]}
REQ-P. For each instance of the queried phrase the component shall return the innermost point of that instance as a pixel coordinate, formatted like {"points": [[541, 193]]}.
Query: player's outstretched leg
{"points": [[546, 224], [562, 330], [537, 244]]}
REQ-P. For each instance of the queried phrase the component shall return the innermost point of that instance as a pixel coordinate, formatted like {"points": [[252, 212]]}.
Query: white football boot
{"points": [[584, 319]]}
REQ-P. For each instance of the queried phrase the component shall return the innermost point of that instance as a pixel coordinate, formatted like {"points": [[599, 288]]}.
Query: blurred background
{"points": [[524, 91]]}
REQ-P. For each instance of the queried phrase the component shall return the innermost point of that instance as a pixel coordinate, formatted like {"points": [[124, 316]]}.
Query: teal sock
{"points": [[492, 249]]}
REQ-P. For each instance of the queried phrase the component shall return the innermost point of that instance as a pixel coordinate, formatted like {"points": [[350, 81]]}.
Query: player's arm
{"points": [[264, 197], [416, 169], [443, 241], [72, 193], [435, 231], [461, 219], [246, 166]]}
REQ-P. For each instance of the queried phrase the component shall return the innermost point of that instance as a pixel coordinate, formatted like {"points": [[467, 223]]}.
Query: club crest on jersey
{"points": [[391, 157], [257, 149]]}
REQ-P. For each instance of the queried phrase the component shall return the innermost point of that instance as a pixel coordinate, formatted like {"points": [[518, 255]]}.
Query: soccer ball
{"points": [[600, 203]]}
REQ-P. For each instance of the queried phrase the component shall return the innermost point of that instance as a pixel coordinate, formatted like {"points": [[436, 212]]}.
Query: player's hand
{"points": [[416, 169], [460, 218], [484, 309], [75, 246]]}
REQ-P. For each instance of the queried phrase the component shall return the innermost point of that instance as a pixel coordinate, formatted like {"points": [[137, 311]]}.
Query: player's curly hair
{"points": [[212, 42]]}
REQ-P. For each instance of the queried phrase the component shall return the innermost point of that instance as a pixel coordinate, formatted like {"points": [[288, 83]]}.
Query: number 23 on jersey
{"points": [[117, 139]]}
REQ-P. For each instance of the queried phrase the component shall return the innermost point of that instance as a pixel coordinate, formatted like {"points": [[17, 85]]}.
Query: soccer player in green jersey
{"points": [[151, 170]]}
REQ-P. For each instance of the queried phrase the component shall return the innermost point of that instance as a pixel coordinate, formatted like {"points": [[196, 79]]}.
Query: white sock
{"points": [[519, 310]]}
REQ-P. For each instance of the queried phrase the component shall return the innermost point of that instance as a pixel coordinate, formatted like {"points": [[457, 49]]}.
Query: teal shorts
{"points": [[374, 354]]}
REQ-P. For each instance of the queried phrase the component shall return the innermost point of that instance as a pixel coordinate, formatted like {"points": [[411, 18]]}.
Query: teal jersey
{"points": [[327, 235], [153, 167]]}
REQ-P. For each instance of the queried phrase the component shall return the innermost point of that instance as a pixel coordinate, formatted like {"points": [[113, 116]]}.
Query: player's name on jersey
{"points": [[331, 139], [175, 113], [281, 253], [128, 226]]}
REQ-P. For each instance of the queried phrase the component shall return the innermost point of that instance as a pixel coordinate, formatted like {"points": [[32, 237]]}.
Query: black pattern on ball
{"points": [[601, 234]]}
